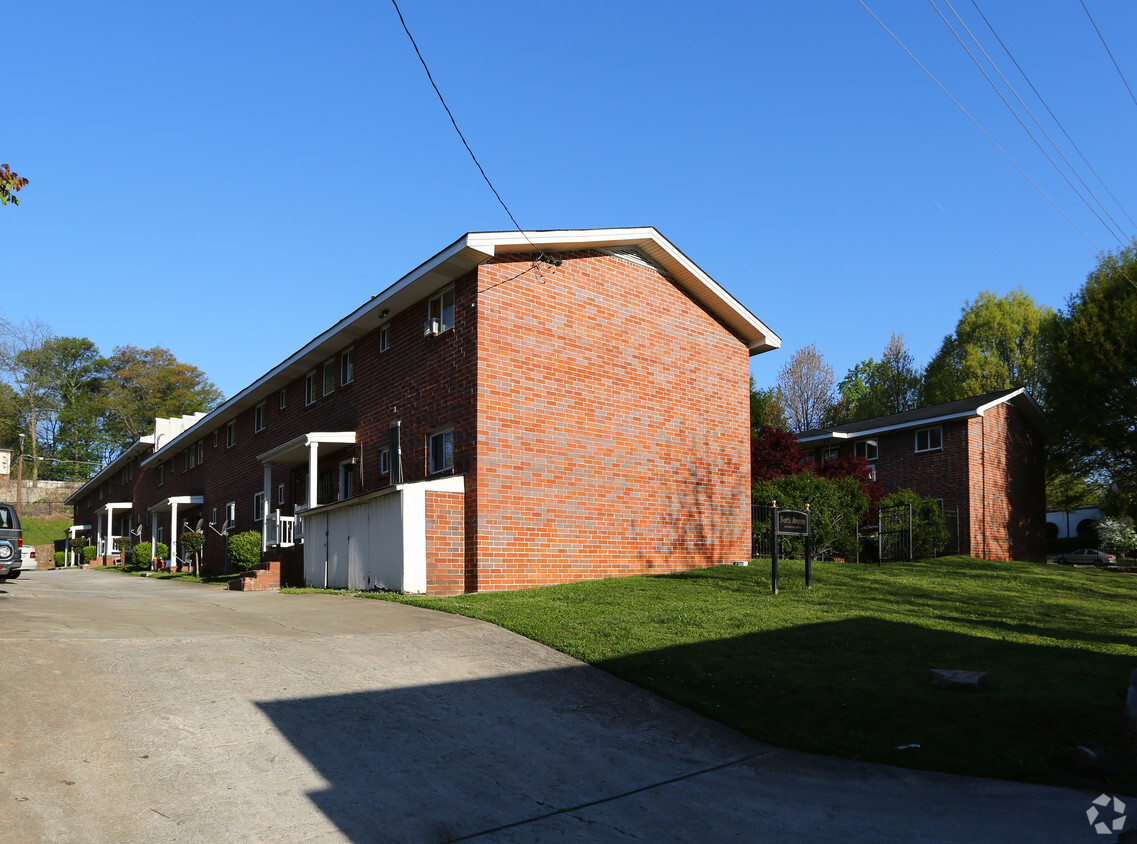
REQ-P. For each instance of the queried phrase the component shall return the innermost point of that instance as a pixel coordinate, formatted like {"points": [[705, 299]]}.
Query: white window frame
{"points": [[259, 418], [230, 515], [328, 384], [283, 397], [928, 432], [161, 475], [231, 433], [442, 307], [215, 433], [185, 459], [384, 461], [347, 468], [213, 517], [862, 448], [192, 456], [280, 495], [347, 365], [259, 506], [200, 452], [310, 388], [441, 435], [384, 337]]}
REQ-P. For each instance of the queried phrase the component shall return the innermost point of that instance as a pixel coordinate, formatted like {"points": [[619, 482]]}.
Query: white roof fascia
{"points": [[305, 440], [920, 423], [689, 275], [1001, 400], [165, 503]]}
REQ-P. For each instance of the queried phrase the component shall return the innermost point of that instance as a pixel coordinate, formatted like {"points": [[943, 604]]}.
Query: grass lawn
{"points": [[168, 575], [43, 531], [842, 669]]}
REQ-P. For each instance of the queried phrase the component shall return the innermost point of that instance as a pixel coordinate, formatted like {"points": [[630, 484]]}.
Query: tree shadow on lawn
{"points": [[859, 688]]}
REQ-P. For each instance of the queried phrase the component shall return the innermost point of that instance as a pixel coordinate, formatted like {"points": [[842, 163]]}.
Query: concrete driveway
{"points": [[140, 710]]}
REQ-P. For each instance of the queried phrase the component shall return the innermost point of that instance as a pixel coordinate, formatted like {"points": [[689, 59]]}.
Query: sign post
{"points": [[790, 523]]}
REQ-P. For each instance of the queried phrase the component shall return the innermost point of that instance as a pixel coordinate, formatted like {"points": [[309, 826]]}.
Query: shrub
{"points": [[60, 559], [244, 550], [835, 509], [77, 543], [1116, 537], [191, 542], [88, 553], [929, 529], [141, 554]]}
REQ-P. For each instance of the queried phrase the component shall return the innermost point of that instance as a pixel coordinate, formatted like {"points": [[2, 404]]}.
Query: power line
{"points": [[1111, 58], [977, 124], [1053, 116], [454, 122], [1011, 108]]}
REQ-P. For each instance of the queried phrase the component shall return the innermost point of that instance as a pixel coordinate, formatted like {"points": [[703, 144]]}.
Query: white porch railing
{"points": [[280, 531]]}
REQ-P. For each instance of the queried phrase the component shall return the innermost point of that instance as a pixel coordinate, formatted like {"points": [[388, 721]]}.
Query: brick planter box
{"points": [[265, 578]]}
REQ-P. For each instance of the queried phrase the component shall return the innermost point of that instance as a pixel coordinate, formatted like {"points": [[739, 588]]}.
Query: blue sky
{"points": [[229, 179]]}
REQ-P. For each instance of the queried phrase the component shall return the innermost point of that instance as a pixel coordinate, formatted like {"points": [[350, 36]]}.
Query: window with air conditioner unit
{"points": [[440, 313]]}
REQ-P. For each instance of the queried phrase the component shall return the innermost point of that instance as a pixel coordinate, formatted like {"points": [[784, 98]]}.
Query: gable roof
{"points": [[459, 258], [932, 415]]}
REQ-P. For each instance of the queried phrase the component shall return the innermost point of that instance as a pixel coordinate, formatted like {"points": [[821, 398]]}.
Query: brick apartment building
{"points": [[521, 409], [984, 455]]}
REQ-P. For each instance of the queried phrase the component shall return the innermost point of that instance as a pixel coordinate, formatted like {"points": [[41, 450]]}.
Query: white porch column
{"points": [[173, 531], [265, 506], [313, 464], [99, 534]]}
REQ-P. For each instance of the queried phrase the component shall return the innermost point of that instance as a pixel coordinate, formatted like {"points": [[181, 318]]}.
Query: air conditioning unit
{"points": [[431, 328]]}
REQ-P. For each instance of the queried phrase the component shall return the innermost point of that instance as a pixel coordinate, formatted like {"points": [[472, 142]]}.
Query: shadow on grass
{"points": [[859, 688]]}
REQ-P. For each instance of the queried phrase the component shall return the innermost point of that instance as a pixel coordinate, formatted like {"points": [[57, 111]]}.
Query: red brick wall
{"points": [[445, 543], [1008, 486], [612, 424]]}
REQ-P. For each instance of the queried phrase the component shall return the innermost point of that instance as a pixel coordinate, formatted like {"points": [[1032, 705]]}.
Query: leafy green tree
{"points": [[1091, 391], [142, 384], [76, 442], [28, 366], [805, 385], [999, 343], [880, 388], [10, 184], [765, 409]]}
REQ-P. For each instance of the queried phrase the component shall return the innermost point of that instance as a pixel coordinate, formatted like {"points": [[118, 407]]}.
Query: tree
{"points": [[1091, 388], [999, 343], [880, 388], [142, 384], [10, 184], [1116, 537], [836, 507], [774, 453], [765, 409], [929, 528], [805, 384], [28, 366], [75, 438]]}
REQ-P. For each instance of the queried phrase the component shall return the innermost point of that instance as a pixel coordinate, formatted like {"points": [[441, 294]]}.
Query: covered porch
{"points": [[177, 514], [113, 521]]}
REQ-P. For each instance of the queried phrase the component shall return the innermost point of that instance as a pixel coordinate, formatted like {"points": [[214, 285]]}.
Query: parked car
{"points": [[11, 543], [1086, 557]]}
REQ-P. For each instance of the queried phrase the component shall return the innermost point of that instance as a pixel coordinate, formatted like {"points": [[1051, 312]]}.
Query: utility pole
{"points": [[20, 476]]}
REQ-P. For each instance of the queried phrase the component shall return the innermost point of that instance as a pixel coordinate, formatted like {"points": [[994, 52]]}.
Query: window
{"points": [[831, 452], [280, 495], [310, 388], [213, 517], [347, 480], [185, 459], [347, 365], [259, 417], [231, 433], [929, 439], [161, 473], [283, 398], [329, 376], [192, 456], [215, 439], [385, 461], [866, 449], [230, 516], [442, 451], [442, 309], [200, 452], [161, 536], [258, 507], [385, 337]]}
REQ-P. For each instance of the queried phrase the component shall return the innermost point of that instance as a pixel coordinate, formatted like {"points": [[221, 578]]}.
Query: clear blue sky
{"points": [[229, 179]]}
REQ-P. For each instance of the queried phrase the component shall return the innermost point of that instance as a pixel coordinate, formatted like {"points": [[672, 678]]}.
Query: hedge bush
{"points": [[244, 550], [88, 553], [141, 555], [60, 559]]}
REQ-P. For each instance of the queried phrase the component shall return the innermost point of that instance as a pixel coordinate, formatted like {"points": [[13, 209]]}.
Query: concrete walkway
{"points": [[139, 710]]}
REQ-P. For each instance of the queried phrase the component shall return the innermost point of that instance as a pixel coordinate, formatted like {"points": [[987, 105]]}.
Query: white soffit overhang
{"points": [[296, 449], [459, 258], [166, 504]]}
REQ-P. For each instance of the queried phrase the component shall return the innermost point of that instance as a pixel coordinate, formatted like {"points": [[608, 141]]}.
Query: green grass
{"points": [[167, 575], [842, 669], [43, 531]]}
